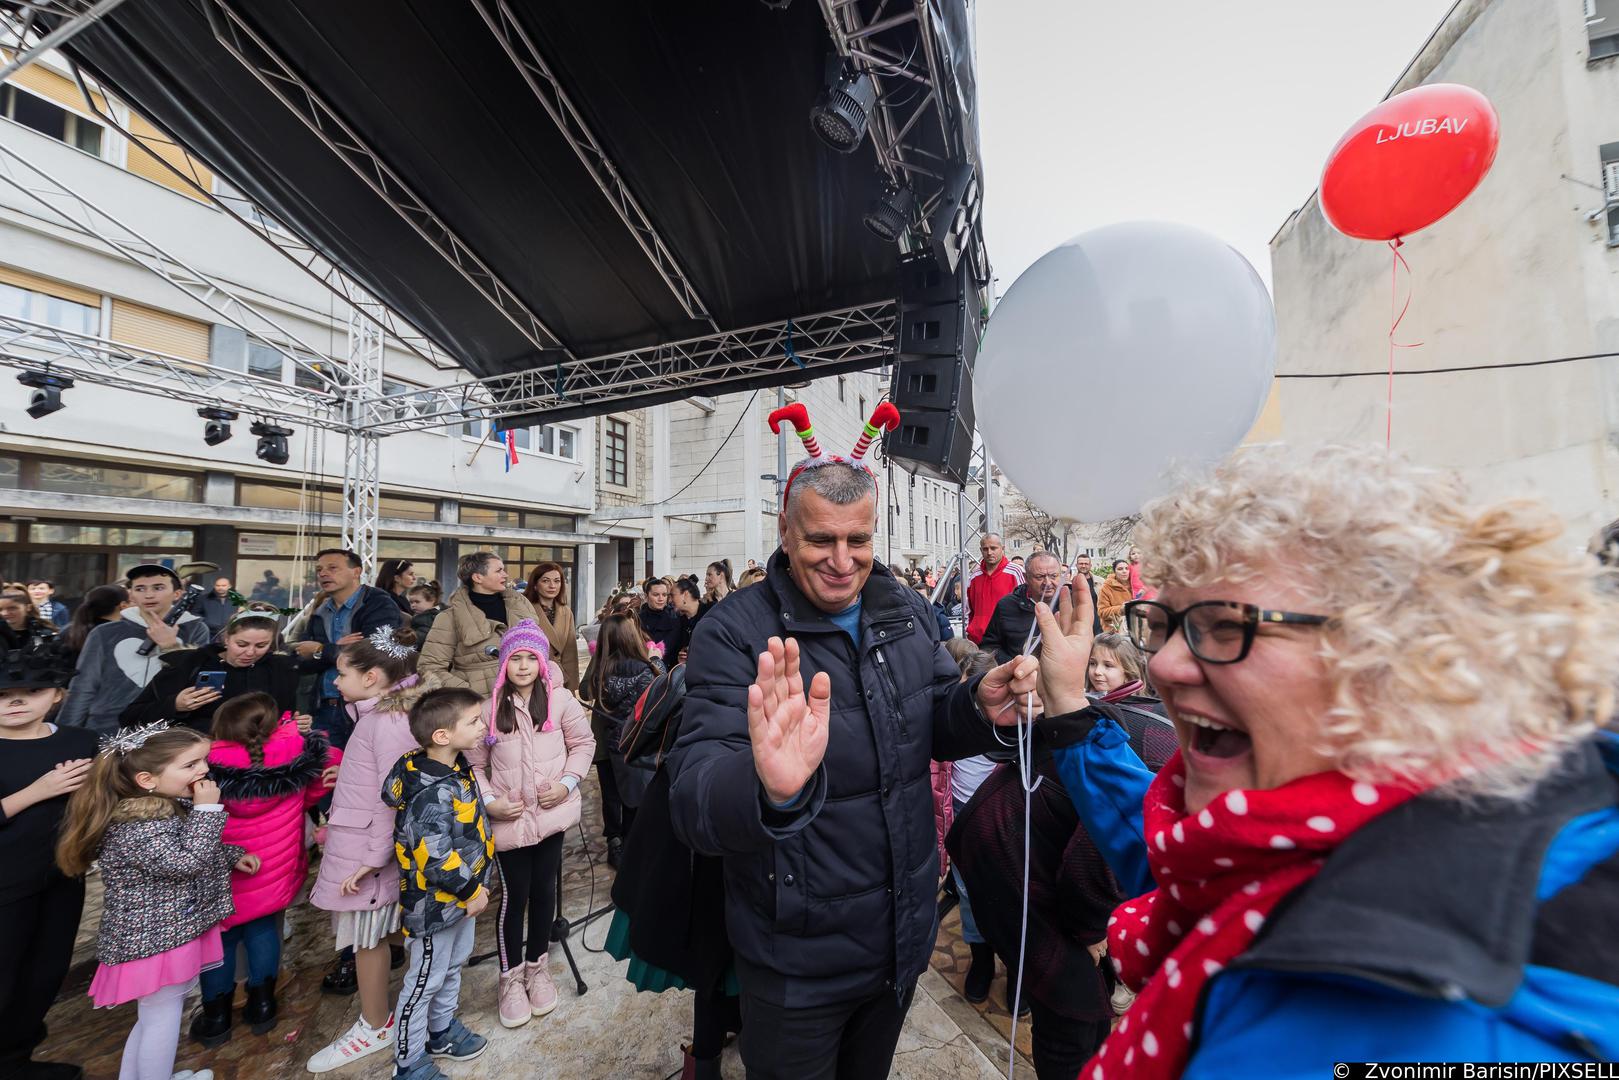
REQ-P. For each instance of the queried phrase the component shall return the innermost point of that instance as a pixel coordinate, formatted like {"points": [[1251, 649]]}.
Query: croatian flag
{"points": [[511, 448]]}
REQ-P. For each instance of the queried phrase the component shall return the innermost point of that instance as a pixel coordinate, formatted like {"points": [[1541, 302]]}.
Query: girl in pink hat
{"points": [[529, 766]]}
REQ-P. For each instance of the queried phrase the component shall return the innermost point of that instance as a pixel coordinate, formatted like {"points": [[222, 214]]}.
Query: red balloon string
{"points": [[1396, 316]]}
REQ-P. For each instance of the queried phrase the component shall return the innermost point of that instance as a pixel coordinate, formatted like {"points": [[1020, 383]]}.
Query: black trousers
{"points": [[528, 878], [612, 805], [849, 1040], [1062, 1045], [36, 947], [713, 1014]]}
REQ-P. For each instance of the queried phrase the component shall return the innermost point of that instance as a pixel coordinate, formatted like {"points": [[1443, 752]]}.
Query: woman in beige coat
{"points": [[463, 648], [548, 592]]}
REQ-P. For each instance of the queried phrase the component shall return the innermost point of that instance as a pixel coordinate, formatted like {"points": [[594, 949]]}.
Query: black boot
{"points": [[981, 974], [213, 1023], [50, 1070], [1012, 989], [259, 1012], [396, 957], [342, 979], [615, 851]]}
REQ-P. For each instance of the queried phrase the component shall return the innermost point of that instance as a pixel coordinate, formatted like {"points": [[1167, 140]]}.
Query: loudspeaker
{"points": [[932, 388]]}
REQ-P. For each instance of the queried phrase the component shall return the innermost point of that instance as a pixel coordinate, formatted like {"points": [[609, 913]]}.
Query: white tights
{"points": [[149, 1050]]}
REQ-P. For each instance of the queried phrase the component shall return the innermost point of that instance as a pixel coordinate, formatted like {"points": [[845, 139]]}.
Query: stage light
{"points": [[272, 442], [47, 395], [891, 211], [843, 108], [217, 430]]}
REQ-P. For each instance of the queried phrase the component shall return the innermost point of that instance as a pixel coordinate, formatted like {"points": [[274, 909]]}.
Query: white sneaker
{"points": [[187, 1074], [361, 1040]]}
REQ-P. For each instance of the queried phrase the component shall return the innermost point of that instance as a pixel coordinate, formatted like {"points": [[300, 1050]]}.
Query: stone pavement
{"points": [[611, 1032]]}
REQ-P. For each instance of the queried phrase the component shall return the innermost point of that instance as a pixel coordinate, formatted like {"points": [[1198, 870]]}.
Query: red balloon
{"points": [[1410, 161]]}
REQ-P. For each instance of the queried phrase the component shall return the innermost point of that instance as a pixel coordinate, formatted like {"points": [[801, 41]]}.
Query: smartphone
{"points": [[211, 680]]}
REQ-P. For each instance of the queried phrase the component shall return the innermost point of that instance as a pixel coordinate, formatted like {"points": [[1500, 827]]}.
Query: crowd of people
{"points": [[1322, 771]]}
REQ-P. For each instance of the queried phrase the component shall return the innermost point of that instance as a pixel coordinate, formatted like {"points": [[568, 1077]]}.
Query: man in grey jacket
{"points": [[111, 671]]}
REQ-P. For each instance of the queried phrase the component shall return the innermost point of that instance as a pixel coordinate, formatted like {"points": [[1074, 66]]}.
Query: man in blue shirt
{"points": [[350, 612]]}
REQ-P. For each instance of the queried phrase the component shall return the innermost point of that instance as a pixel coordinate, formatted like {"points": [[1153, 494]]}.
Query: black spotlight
{"points": [[891, 211], [844, 107], [217, 430], [47, 395], [272, 442]]}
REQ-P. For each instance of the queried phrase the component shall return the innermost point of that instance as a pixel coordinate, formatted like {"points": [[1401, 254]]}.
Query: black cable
{"points": [[1444, 371], [590, 902]]}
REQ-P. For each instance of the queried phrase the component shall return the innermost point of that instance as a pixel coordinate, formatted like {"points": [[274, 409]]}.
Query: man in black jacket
{"points": [[1009, 627], [820, 801], [350, 611]]}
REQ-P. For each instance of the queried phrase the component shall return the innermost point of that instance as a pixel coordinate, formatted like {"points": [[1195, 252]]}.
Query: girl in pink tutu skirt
{"points": [[152, 817]]}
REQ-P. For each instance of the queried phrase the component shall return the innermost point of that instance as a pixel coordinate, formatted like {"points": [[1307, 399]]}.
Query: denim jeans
{"points": [[262, 939], [332, 717], [969, 926]]}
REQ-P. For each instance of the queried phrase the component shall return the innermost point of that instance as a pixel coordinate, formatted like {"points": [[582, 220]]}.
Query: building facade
{"points": [[1525, 271]]}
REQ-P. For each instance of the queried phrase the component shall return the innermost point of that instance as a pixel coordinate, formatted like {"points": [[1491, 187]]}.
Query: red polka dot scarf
{"points": [[1220, 872]]}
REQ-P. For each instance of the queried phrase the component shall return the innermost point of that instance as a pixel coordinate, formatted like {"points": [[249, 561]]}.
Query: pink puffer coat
{"points": [[360, 828], [265, 807], [524, 762]]}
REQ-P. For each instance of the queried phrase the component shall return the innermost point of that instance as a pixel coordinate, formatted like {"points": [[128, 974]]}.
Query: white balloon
{"points": [[1119, 357]]}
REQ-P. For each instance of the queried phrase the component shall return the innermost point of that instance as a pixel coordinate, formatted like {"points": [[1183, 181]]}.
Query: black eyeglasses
{"points": [[1217, 631]]}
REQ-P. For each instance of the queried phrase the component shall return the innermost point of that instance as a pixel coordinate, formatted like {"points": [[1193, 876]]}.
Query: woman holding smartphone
{"points": [[193, 682]]}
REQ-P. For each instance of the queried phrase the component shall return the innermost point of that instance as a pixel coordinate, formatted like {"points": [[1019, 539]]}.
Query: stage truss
{"points": [[899, 50]]}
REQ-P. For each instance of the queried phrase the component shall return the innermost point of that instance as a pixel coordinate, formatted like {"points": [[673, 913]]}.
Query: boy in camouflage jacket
{"points": [[445, 850]]}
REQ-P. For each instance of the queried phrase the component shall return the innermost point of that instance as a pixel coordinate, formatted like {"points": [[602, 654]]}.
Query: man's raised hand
{"points": [[787, 726]]}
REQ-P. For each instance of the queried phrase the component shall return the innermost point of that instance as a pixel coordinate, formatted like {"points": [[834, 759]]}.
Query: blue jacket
{"points": [[1437, 932], [374, 608]]}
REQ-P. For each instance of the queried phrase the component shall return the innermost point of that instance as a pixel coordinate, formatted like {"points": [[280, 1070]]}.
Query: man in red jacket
{"points": [[996, 577]]}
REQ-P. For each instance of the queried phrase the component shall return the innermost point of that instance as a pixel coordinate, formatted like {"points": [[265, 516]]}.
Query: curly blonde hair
{"points": [[1469, 646]]}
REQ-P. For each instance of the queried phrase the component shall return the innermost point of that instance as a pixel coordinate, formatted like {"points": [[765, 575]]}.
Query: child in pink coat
{"points": [[268, 775], [359, 877], [529, 766]]}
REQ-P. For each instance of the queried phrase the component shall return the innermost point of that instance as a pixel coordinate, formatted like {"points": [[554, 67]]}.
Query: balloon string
{"points": [[1396, 316]]}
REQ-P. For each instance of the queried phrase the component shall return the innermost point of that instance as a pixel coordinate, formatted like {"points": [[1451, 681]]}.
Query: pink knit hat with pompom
{"points": [[525, 636]]}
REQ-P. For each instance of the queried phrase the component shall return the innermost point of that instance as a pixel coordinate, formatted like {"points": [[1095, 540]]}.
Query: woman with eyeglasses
{"points": [[1391, 830]]}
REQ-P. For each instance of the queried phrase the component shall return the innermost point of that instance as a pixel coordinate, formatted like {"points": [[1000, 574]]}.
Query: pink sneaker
{"points": [[514, 1007], [542, 992]]}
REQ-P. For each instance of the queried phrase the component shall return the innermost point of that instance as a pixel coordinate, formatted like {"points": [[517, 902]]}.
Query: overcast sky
{"points": [[1216, 114]]}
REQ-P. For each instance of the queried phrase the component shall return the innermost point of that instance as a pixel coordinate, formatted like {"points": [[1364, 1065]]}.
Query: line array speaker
{"points": [[938, 342]]}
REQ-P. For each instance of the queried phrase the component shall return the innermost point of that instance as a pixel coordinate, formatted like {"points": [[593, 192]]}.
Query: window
{"points": [[92, 478], [398, 506], [521, 559], [109, 536], [302, 376], [491, 515], [265, 362], [841, 382], [286, 497], [10, 471], [863, 413], [50, 119], [560, 441], [553, 522], [616, 453], [38, 307], [1602, 28], [1610, 185]]}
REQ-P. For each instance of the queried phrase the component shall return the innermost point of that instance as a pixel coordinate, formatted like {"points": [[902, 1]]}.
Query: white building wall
{"points": [[1515, 274]]}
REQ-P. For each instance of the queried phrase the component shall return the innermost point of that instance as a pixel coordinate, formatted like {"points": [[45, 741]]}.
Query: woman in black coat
{"points": [[246, 654]]}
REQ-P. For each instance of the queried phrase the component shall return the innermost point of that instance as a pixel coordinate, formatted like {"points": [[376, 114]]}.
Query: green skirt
{"points": [[645, 976]]}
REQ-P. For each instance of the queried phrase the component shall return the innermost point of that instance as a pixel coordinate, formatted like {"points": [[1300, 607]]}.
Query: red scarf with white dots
{"points": [[1220, 872]]}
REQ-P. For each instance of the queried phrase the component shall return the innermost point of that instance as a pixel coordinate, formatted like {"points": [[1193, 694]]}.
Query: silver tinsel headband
{"points": [[382, 640], [123, 741]]}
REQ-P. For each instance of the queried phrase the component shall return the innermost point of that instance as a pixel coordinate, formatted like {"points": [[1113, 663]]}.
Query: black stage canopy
{"points": [[440, 181]]}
